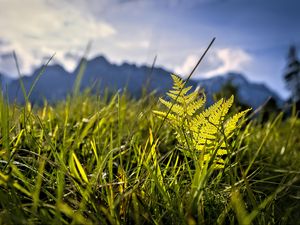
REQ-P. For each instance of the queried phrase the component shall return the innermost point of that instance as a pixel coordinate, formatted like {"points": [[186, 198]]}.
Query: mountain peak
{"points": [[236, 78], [99, 74], [252, 94], [99, 59], [55, 68], [127, 64]]}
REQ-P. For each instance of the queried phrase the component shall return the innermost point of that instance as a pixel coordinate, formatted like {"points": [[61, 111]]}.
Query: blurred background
{"points": [[253, 37]]}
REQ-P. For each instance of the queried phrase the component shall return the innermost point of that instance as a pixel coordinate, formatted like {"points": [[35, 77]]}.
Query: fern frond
{"points": [[183, 104], [194, 105], [206, 113], [181, 92], [176, 108], [231, 123], [173, 120], [178, 82], [200, 132], [217, 115]]}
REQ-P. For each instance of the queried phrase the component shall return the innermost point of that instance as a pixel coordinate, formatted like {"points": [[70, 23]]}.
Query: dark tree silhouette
{"points": [[292, 74]]}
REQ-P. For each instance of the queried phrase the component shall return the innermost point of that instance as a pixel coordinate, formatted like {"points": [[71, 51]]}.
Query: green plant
{"points": [[200, 133]]}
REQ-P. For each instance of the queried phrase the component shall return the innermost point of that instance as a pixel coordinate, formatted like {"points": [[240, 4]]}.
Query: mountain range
{"points": [[55, 83]]}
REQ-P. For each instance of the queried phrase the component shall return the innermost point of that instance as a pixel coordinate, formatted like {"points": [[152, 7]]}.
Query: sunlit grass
{"points": [[104, 160]]}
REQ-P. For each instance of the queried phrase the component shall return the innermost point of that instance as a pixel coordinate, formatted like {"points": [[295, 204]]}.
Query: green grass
{"points": [[105, 160]]}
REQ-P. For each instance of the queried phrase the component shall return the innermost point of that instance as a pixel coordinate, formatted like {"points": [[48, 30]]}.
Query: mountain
{"points": [[1, 80], [56, 83], [249, 93], [101, 74], [4, 81]]}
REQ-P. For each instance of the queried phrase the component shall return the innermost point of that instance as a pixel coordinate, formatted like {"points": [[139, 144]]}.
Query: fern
{"points": [[200, 133]]}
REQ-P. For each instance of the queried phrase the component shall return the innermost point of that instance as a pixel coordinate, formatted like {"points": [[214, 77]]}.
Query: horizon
{"points": [[199, 80], [252, 36]]}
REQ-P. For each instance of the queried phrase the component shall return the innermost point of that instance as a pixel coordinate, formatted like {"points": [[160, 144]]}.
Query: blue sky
{"points": [[252, 35]]}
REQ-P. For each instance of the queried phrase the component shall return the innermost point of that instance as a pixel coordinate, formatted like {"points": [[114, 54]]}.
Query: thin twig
{"points": [[188, 78]]}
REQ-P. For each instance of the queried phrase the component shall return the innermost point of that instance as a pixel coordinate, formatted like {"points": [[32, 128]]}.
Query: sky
{"points": [[252, 36]]}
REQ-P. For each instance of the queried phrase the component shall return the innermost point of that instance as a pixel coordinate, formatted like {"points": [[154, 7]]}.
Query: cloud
{"points": [[231, 60], [131, 45], [209, 63], [187, 66], [136, 30], [216, 62], [3, 43], [39, 28]]}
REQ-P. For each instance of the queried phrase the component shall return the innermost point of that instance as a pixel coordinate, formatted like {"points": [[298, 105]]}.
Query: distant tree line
{"points": [[292, 74]]}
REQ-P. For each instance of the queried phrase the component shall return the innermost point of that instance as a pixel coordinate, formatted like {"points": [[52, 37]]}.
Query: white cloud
{"points": [[216, 62], [135, 31], [36, 28], [187, 66], [131, 45], [231, 60]]}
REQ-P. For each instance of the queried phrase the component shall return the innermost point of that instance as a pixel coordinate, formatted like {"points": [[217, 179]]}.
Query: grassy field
{"points": [[111, 160]]}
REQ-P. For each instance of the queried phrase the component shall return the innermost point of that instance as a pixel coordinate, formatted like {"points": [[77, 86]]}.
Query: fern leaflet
{"points": [[201, 133]]}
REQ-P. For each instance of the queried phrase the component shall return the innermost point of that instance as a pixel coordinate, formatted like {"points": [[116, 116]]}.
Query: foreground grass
{"points": [[94, 160]]}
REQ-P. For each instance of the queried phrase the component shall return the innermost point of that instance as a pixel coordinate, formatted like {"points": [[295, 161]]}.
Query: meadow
{"points": [[112, 159]]}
